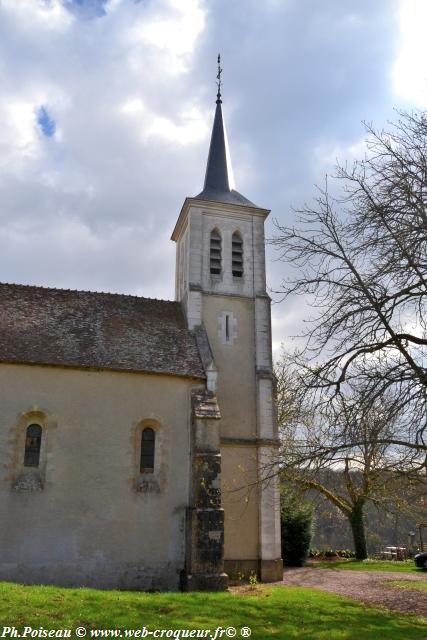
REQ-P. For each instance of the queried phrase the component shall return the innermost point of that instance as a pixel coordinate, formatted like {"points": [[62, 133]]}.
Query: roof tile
{"points": [[86, 329]]}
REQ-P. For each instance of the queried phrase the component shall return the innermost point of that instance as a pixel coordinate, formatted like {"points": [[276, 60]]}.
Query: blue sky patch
{"points": [[86, 8], [46, 122]]}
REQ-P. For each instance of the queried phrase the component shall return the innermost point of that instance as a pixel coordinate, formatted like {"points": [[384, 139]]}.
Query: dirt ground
{"points": [[366, 586]]}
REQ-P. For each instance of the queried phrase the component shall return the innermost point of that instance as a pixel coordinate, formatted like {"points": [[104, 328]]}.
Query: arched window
{"points": [[237, 255], [215, 253], [33, 441], [148, 441]]}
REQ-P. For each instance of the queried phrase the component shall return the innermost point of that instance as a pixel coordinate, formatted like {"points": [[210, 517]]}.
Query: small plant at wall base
{"points": [[297, 527], [253, 579]]}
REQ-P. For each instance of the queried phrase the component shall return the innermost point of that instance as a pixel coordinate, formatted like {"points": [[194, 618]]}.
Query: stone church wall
{"points": [[235, 361], [86, 515], [241, 543]]}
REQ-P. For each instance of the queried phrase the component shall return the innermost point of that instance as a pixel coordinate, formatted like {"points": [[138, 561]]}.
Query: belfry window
{"points": [[215, 253], [148, 442], [237, 255], [33, 441]]}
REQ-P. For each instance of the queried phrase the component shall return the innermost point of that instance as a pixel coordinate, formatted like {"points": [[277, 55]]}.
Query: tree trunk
{"points": [[358, 530]]}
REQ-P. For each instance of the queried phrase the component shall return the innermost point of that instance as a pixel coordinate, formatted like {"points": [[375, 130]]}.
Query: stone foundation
{"points": [[99, 575], [272, 570], [264, 570], [205, 582]]}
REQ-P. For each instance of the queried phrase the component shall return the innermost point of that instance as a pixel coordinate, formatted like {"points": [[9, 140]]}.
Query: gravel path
{"points": [[365, 586]]}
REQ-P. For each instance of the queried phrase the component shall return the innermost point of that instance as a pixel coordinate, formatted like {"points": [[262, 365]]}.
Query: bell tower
{"points": [[221, 282]]}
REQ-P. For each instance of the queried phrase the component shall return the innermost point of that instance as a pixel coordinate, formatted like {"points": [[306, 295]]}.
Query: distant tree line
{"points": [[384, 525]]}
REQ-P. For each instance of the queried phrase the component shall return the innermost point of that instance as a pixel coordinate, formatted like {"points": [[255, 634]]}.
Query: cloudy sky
{"points": [[106, 109]]}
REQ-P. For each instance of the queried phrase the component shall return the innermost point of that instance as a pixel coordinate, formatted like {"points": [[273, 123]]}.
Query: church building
{"points": [[134, 432]]}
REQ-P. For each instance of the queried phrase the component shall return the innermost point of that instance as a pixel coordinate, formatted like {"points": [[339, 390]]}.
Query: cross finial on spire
{"points": [[219, 81]]}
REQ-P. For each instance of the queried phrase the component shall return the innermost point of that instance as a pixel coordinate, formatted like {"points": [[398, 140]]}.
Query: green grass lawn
{"points": [[271, 612], [367, 565], [407, 584]]}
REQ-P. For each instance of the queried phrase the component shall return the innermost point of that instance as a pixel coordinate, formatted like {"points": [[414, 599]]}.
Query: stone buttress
{"points": [[205, 518]]}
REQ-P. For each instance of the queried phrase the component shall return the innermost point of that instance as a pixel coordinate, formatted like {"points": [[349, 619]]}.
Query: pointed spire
{"points": [[219, 180], [219, 174]]}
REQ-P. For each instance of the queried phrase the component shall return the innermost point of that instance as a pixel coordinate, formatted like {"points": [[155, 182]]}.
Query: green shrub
{"points": [[322, 554], [297, 521]]}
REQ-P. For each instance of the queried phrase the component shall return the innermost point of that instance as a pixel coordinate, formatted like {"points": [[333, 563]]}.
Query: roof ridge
{"points": [[99, 293]]}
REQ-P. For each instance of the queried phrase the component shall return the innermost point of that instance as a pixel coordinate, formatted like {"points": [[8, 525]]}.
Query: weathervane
{"points": [[219, 81]]}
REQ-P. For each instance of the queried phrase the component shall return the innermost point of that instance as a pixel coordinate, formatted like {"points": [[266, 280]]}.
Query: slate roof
{"points": [[86, 329], [219, 180], [227, 197]]}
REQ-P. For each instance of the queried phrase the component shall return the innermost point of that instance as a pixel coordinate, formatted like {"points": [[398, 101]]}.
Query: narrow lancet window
{"points": [[215, 253], [148, 441], [237, 255], [33, 441]]}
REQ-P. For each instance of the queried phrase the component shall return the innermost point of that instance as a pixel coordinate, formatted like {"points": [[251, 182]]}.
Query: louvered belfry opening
{"points": [[215, 253], [237, 255]]}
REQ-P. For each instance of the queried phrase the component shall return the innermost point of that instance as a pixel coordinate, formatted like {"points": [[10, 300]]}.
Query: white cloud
{"points": [[133, 106], [112, 5], [328, 153], [186, 128], [288, 318], [19, 141], [191, 129], [172, 31], [37, 14], [409, 73]]}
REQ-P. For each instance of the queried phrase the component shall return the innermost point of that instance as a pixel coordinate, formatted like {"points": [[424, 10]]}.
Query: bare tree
{"points": [[361, 262], [351, 438]]}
